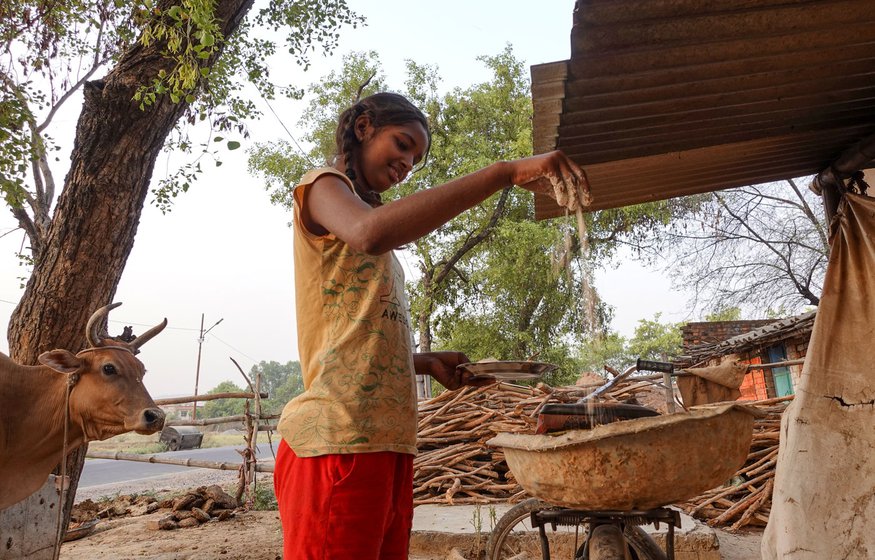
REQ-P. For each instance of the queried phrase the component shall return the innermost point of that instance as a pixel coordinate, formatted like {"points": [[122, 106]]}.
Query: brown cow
{"points": [[107, 398]]}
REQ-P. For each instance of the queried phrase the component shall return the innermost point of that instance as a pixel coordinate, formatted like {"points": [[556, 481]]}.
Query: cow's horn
{"points": [[92, 333], [148, 335]]}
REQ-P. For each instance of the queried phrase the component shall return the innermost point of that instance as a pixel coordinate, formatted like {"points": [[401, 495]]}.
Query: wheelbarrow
{"points": [[635, 464], [617, 476]]}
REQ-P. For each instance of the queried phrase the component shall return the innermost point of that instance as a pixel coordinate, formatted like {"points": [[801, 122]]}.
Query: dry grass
{"points": [[136, 443]]}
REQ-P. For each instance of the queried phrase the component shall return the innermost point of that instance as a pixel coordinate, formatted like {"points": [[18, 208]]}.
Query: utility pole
{"points": [[197, 373]]}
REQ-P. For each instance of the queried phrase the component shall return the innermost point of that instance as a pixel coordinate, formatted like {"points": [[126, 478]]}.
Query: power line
{"points": [[235, 349], [150, 325], [282, 124]]}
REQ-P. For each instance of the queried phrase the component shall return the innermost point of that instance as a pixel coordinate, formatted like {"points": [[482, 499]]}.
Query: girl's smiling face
{"points": [[388, 153]]}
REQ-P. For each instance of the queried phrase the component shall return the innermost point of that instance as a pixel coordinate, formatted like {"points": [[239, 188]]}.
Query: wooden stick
{"points": [[208, 397], [749, 470], [223, 466], [732, 490], [219, 420], [748, 514]]}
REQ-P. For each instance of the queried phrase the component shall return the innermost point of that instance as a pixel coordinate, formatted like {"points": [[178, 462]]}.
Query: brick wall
{"points": [[717, 331], [797, 348], [755, 385], [758, 384]]}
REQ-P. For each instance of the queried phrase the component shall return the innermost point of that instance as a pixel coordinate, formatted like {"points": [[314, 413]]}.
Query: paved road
{"points": [[109, 471]]}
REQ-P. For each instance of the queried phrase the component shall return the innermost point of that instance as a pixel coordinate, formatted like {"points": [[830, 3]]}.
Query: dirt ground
{"points": [[254, 535]]}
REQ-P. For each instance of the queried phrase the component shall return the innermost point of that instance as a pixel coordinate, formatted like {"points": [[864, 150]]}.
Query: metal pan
{"points": [[507, 370]]}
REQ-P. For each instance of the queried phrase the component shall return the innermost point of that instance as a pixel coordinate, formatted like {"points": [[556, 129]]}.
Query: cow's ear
{"points": [[61, 361]]}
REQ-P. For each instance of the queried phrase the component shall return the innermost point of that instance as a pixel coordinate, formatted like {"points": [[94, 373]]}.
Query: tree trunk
{"points": [[92, 232], [426, 312]]}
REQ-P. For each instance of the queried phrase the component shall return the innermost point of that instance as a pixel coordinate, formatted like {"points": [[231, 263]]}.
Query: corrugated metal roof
{"points": [[663, 98], [782, 329]]}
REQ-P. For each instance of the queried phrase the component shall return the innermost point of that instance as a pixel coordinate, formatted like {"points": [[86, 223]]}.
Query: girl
{"points": [[344, 469]]}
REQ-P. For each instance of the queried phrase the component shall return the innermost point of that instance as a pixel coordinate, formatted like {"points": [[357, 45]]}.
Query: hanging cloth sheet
{"points": [[823, 504], [712, 384]]}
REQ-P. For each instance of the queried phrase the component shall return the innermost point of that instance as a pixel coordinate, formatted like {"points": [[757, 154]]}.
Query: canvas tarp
{"points": [[824, 498], [712, 384]]}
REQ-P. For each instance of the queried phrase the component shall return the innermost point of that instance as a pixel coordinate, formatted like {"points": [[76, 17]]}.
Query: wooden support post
{"points": [[243, 478], [831, 198], [669, 392], [253, 441]]}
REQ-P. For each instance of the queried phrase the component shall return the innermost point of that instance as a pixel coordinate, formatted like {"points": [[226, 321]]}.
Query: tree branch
{"points": [[97, 63], [809, 213], [472, 242], [29, 228], [752, 231]]}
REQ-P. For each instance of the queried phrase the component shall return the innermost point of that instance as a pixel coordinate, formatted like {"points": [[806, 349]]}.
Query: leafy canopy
{"points": [[654, 340], [461, 296], [51, 48]]}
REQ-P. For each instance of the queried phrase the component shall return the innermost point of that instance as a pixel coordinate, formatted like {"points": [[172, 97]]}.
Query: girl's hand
{"points": [[552, 174], [442, 366]]}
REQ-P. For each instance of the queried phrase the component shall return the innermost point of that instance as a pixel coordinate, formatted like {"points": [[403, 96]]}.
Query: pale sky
{"points": [[226, 252]]}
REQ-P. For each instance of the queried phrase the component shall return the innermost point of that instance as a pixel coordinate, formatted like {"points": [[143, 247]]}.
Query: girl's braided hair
{"points": [[383, 109]]}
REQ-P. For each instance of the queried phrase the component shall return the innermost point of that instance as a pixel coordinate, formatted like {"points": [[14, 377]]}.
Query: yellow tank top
{"points": [[354, 343]]}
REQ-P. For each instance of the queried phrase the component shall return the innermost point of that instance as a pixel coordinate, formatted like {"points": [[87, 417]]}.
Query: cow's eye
{"points": [[109, 369]]}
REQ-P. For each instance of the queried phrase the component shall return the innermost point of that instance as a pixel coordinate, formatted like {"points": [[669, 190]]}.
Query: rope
{"points": [[72, 378], [125, 348], [62, 494]]}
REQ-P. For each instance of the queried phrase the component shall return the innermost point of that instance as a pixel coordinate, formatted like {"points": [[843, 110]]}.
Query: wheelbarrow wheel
{"points": [[606, 542], [514, 538], [609, 542], [643, 545]]}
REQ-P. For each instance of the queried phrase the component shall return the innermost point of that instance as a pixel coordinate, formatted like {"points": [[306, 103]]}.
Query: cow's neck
{"points": [[31, 428], [37, 412]]}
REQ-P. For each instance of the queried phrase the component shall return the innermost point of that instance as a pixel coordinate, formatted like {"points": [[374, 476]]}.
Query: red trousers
{"points": [[341, 507]]}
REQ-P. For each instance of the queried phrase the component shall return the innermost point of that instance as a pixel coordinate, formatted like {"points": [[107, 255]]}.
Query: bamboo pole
{"points": [[218, 465], [209, 397], [219, 420]]}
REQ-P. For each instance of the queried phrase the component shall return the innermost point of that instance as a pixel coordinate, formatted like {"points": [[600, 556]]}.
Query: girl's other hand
{"points": [[554, 175], [443, 367]]}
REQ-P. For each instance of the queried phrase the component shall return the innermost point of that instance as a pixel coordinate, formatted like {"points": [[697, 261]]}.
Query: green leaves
{"points": [[491, 282], [189, 35], [18, 146], [655, 340], [281, 381], [224, 407]]}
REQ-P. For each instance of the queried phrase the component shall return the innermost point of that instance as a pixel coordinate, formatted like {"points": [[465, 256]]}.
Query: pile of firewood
{"points": [[454, 466], [207, 503], [747, 499]]}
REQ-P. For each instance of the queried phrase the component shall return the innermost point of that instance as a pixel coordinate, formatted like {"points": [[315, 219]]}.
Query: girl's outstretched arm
{"points": [[332, 207]]}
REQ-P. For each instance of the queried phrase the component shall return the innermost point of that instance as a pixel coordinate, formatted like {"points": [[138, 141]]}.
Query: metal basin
{"points": [[634, 464]]}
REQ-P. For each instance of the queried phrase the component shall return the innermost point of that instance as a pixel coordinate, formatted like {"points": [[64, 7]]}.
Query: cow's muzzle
{"points": [[151, 421]]}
